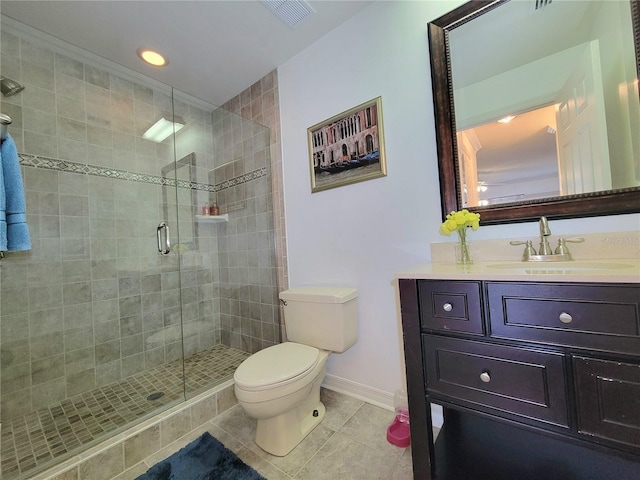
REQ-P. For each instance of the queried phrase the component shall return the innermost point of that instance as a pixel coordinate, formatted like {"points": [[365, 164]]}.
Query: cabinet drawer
{"points": [[608, 399], [451, 306], [603, 317], [521, 381]]}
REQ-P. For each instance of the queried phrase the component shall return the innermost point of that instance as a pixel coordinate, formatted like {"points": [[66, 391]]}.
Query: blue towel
{"points": [[3, 203], [14, 232]]}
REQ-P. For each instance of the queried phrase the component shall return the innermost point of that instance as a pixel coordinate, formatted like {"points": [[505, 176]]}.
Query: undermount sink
{"points": [[564, 266]]}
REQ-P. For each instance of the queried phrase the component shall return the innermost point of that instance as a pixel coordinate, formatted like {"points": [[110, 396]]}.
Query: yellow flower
{"points": [[460, 218], [451, 224], [459, 221]]}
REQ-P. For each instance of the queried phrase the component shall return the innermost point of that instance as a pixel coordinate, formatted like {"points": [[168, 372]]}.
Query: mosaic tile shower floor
{"points": [[35, 439]]}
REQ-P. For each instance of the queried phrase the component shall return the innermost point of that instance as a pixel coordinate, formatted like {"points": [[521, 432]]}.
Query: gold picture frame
{"points": [[347, 148]]}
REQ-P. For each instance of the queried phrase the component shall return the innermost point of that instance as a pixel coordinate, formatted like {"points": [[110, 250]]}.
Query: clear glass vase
{"points": [[463, 252]]}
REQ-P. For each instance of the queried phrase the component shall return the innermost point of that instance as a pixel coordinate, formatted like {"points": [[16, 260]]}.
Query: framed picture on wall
{"points": [[348, 147]]}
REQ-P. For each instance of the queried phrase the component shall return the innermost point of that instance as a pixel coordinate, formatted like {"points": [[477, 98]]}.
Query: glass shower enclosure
{"points": [[132, 299]]}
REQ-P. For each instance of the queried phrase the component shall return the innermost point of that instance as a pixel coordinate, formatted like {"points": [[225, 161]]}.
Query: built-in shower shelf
{"points": [[212, 218]]}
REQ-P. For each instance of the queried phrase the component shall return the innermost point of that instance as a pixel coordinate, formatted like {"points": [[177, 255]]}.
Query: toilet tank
{"points": [[322, 317]]}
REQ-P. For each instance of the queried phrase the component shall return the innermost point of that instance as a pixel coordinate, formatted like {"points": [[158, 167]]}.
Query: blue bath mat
{"points": [[203, 459]]}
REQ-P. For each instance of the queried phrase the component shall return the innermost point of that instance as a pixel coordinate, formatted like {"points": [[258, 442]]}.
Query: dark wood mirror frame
{"points": [[584, 205]]}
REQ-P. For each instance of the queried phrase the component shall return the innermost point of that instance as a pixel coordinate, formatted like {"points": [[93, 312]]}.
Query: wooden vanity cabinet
{"points": [[608, 400], [536, 379]]}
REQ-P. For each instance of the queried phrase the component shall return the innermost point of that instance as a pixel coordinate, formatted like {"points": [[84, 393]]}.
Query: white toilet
{"points": [[280, 385]]}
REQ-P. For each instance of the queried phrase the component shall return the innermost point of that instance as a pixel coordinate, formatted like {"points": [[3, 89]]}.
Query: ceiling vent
{"points": [[540, 4], [291, 12]]}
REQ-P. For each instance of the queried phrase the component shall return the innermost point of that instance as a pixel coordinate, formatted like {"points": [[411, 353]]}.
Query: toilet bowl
{"points": [[280, 385]]}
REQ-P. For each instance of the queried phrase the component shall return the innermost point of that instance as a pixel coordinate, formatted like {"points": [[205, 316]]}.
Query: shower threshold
{"points": [[38, 439]]}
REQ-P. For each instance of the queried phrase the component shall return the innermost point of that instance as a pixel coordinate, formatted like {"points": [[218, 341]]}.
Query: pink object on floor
{"points": [[398, 433]]}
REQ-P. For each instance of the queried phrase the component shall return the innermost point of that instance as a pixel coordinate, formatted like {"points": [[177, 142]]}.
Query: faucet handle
{"points": [[528, 249], [562, 249]]}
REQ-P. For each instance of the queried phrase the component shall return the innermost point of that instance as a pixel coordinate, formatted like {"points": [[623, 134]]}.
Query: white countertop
{"points": [[606, 270]]}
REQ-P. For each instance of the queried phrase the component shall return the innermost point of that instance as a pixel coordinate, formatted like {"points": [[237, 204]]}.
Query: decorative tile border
{"points": [[36, 161], [247, 177]]}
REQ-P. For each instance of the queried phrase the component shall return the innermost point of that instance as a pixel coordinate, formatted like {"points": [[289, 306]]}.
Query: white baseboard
{"points": [[374, 396], [368, 394], [437, 418]]}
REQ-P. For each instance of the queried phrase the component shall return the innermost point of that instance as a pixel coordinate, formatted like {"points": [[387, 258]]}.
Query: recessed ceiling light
{"points": [[151, 57], [507, 119]]}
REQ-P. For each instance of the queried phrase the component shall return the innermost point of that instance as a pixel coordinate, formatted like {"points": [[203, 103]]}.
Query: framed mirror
{"points": [[549, 61]]}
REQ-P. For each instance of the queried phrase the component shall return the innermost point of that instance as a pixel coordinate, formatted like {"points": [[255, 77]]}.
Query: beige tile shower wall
{"points": [[260, 103], [74, 111], [247, 288], [246, 245], [93, 302]]}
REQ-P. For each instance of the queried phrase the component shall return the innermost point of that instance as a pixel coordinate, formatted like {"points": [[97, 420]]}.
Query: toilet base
{"points": [[280, 434]]}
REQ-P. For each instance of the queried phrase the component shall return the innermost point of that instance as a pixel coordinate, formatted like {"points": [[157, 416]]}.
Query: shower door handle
{"points": [[164, 247]]}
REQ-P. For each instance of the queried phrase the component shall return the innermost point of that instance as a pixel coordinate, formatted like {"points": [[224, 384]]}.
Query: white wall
{"points": [[362, 234], [500, 95]]}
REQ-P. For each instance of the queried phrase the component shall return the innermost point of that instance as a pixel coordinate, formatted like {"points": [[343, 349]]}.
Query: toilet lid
{"points": [[276, 365]]}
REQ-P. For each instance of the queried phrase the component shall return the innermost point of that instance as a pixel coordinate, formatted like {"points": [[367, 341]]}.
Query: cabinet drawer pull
{"points": [[447, 307], [565, 318], [485, 377]]}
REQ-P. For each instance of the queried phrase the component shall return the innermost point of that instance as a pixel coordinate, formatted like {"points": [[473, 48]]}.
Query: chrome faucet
{"points": [[545, 231], [545, 254]]}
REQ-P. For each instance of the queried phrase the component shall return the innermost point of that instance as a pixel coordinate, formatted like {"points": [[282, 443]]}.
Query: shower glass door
{"points": [[227, 253], [131, 298], [90, 317]]}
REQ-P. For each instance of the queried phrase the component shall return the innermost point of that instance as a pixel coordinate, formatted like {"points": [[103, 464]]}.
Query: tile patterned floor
{"points": [[36, 439], [349, 444]]}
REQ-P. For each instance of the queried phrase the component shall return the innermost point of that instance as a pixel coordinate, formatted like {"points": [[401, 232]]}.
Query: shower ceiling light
{"points": [[162, 129], [151, 57]]}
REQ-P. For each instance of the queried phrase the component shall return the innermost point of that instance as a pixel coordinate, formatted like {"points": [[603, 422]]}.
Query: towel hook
{"points": [[5, 121]]}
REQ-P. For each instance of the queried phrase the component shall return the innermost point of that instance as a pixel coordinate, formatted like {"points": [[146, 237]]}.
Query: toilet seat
{"points": [[276, 366]]}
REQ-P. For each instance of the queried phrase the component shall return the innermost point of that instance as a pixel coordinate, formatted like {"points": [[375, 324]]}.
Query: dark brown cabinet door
{"points": [[600, 317], [525, 382], [608, 399], [451, 306]]}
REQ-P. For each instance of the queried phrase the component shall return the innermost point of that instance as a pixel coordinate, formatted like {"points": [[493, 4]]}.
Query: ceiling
{"points": [[215, 48], [531, 35]]}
